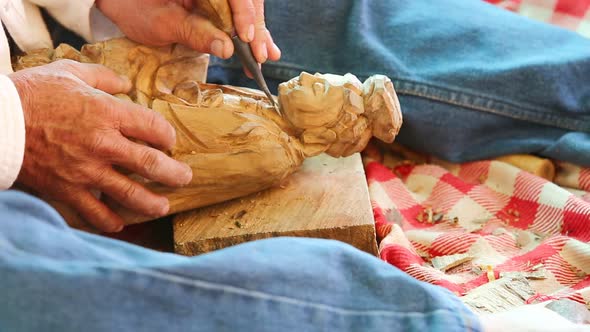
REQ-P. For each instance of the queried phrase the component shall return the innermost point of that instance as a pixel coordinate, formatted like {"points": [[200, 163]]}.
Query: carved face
{"points": [[313, 101]]}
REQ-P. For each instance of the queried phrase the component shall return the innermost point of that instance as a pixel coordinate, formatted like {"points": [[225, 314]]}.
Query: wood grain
{"points": [[328, 198]]}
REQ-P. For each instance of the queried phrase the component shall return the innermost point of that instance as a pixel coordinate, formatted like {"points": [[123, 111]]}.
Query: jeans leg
{"points": [[54, 278], [474, 81]]}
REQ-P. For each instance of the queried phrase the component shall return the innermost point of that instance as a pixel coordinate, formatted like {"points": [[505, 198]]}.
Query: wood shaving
{"points": [[499, 295], [535, 275], [490, 273]]}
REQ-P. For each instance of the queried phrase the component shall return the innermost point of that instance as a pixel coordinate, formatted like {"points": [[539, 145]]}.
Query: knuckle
{"points": [[97, 143], [106, 105], [129, 191], [68, 65], [187, 31], [154, 121], [247, 12], [150, 162], [96, 175]]}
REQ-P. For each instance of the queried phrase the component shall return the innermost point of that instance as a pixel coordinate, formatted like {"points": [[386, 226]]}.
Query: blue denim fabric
{"points": [[53, 278], [474, 81]]}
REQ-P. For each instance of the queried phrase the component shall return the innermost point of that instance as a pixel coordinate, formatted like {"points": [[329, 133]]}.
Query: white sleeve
{"points": [[12, 133], [82, 17]]}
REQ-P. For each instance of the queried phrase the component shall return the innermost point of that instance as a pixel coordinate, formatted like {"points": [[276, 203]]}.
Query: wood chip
{"points": [[448, 262], [482, 178], [490, 273], [437, 217], [535, 275], [419, 217], [500, 295]]}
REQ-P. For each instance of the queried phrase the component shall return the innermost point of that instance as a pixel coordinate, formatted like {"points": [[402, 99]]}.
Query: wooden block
{"points": [[328, 198]]}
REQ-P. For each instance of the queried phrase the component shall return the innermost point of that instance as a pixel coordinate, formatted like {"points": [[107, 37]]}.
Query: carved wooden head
{"points": [[338, 114]]}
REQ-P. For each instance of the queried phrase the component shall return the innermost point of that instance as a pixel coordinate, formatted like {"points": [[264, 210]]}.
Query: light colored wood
{"points": [[535, 165], [538, 166], [327, 198], [448, 262], [233, 138]]}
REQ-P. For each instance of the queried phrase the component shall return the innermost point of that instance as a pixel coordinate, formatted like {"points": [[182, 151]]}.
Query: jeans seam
{"points": [[457, 97], [491, 105], [208, 285]]}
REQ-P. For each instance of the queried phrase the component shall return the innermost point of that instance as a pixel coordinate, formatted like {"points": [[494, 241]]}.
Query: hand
{"points": [[164, 22], [76, 132]]}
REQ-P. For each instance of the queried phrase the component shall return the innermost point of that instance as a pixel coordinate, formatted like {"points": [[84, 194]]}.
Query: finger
{"points": [[260, 51], [97, 76], [201, 35], [133, 195], [244, 16], [258, 45], [142, 123], [146, 161], [93, 210], [274, 52]]}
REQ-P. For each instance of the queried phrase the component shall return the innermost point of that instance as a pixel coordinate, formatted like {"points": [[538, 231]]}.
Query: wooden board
{"points": [[328, 198]]}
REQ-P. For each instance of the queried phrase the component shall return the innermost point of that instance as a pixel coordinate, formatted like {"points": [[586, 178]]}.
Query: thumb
{"points": [[97, 76], [201, 35]]}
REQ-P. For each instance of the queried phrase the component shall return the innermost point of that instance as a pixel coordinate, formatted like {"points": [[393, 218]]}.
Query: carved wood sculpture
{"points": [[232, 138]]}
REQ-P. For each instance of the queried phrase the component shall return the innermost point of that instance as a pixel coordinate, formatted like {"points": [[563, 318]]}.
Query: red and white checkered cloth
{"points": [[508, 220], [502, 216], [569, 14]]}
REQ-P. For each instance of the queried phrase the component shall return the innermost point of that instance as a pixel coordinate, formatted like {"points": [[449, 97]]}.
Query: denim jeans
{"points": [[53, 278], [474, 81]]}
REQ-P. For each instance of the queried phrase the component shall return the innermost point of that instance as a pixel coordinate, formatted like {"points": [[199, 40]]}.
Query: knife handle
{"points": [[217, 12]]}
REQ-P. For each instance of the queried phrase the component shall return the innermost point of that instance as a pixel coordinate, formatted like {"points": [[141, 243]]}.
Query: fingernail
{"points": [[276, 49], [120, 228], [127, 85], [250, 33], [188, 176], [217, 48], [164, 208]]}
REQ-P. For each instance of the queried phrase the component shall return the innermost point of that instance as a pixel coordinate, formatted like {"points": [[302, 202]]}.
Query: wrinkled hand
{"points": [[164, 22], [76, 132]]}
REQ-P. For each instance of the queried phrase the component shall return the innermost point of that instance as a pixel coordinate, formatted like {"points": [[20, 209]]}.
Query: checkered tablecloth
{"points": [[569, 14], [506, 219], [499, 216]]}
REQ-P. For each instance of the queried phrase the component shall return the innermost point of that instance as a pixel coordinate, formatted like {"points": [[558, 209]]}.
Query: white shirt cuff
{"points": [[12, 133], [83, 18]]}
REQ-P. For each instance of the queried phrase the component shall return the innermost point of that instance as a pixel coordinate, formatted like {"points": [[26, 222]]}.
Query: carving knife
{"points": [[219, 13], [244, 53]]}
